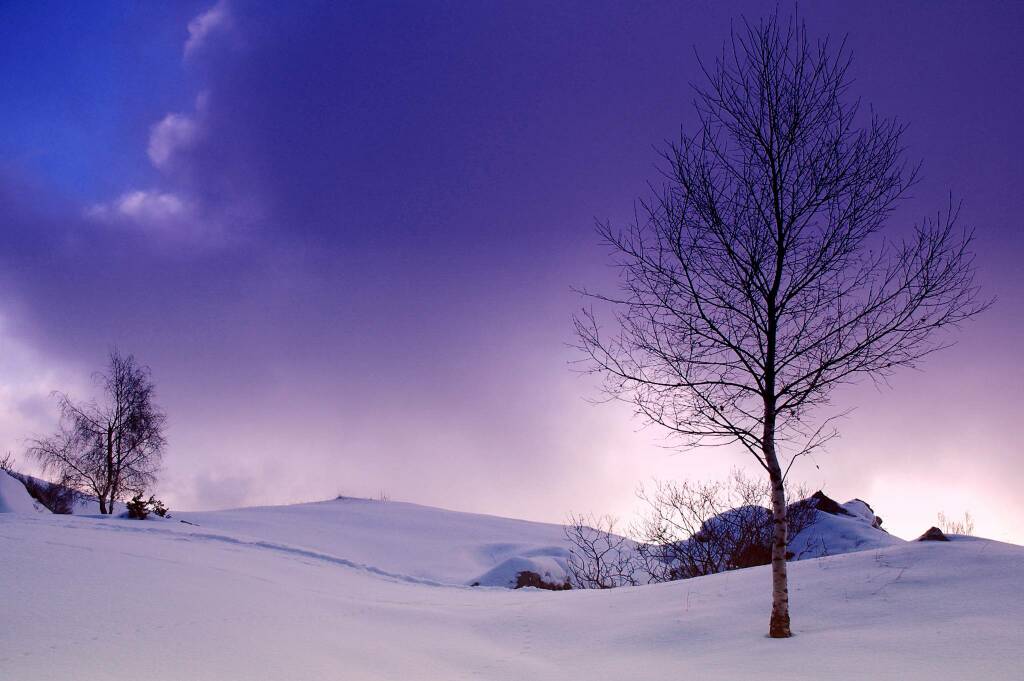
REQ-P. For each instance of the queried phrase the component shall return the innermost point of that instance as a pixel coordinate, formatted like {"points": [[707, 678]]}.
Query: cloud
{"points": [[217, 18], [167, 216], [26, 406], [172, 134], [145, 207]]}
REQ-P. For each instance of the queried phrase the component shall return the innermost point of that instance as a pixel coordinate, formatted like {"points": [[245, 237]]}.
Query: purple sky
{"points": [[343, 237]]}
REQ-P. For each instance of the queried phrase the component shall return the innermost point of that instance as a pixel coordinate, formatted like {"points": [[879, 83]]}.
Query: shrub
{"points": [[140, 509], [158, 507], [137, 508]]}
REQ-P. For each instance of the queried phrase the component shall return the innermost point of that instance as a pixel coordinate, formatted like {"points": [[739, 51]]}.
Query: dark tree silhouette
{"points": [[112, 448], [758, 279]]}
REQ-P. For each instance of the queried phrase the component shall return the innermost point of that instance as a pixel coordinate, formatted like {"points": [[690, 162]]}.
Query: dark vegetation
{"points": [[139, 508]]}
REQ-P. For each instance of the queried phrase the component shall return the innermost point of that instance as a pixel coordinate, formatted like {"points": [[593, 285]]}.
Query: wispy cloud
{"points": [[216, 19], [173, 133], [151, 207], [163, 215]]}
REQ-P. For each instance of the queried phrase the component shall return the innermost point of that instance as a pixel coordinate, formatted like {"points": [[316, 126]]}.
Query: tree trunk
{"points": [[779, 625], [110, 470], [103, 503]]}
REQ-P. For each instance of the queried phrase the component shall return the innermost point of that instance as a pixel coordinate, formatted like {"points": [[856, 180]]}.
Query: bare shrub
{"points": [[964, 526], [599, 558], [702, 528]]}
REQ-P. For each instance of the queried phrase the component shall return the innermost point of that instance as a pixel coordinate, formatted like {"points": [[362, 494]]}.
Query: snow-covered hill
{"points": [[359, 589], [92, 598]]}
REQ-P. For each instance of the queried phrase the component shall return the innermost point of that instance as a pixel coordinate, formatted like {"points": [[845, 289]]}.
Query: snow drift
{"points": [[14, 498]]}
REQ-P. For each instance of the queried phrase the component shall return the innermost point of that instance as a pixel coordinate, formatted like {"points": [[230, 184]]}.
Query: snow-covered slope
{"points": [[89, 598], [14, 498], [423, 542]]}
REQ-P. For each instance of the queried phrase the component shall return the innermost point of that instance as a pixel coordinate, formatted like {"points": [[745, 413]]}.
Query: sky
{"points": [[344, 238]]}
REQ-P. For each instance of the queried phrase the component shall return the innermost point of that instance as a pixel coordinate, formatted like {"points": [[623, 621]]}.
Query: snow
{"points": [[832, 535], [364, 590], [14, 498], [419, 541]]}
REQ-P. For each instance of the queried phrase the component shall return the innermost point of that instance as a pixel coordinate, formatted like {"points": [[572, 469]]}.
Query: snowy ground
{"points": [[285, 594]]}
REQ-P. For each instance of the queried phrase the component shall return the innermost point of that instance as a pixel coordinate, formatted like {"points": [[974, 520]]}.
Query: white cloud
{"points": [[146, 207], [217, 18], [168, 217], [173, 133]]}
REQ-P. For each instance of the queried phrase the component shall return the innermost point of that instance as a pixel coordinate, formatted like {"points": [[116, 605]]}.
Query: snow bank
{"points": [[14, 498]]}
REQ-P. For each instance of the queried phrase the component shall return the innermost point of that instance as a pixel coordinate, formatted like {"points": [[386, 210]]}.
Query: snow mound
{"points": [[14, 498], [845, 528]]}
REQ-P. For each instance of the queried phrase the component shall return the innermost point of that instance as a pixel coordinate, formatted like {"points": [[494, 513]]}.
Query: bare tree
{"points": [[111, 448], [599, 558], [758, 279]]}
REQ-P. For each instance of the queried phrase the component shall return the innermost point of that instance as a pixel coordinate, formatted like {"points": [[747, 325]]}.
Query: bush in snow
{"points": [[140, 509], [158, 507]]}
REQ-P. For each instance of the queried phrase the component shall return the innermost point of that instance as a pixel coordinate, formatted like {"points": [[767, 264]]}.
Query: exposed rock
{"points": [[933, 534], [827, 504], [530, 578]]}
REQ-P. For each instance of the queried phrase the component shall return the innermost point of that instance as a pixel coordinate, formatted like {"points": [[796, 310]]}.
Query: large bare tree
{"points": [[110, 448], [760, 276]]}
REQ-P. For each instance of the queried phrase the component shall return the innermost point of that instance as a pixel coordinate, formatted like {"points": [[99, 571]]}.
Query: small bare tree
{"points": [[599, 558], [111, 448], [758, 279]]}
